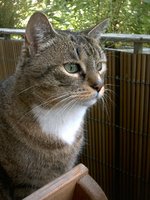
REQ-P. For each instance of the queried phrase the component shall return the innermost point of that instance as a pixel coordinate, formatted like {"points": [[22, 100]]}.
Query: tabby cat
{"points": [[42, 106]]}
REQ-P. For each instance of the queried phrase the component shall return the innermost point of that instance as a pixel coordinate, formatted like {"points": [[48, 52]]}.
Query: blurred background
{"points": [[126, 16]]}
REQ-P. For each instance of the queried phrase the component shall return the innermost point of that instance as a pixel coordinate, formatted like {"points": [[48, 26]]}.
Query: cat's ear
{"points": [[37, 31], [97, 30]]}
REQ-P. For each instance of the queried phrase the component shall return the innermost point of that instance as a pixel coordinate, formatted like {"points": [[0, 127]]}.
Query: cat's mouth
{"points": [[101, 92], [94, 97]]}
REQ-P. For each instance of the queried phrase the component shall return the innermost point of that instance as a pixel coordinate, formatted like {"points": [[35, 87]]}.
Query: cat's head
{"points": [[63, 66]]}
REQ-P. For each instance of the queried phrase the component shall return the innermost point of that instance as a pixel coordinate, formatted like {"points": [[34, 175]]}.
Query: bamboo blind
{"points": [[117, 150], [9, 53], [117, 144]]}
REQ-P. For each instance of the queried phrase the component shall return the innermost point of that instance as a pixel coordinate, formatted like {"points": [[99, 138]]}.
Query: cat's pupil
{"points": [[72, 68]]}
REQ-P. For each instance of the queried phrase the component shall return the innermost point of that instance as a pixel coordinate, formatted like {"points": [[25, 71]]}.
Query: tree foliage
{"points": [[13, 12], [126, 16]]}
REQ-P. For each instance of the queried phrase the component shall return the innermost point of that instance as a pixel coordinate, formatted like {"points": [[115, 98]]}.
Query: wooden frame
{"points": [[74, 185]]}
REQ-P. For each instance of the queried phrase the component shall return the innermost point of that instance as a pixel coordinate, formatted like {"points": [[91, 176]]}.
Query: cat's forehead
{"points": [[82, 44], [69, 47]]}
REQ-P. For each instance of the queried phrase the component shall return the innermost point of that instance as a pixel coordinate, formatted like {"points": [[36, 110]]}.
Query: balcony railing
{"points": [[137, 39]]}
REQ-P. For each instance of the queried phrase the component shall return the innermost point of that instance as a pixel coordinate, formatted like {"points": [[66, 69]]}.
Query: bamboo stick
{"points": [[121, 108], [94, 142], [141, 121], [137, 113], [148, 122], [132, 158], [128, 147], [2, 62], [125, 77], [145, 116], [113, 133], [111, 121]]}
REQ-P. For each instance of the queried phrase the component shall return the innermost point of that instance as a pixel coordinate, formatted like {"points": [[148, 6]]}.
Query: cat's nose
{"points": [[97, 86], [94, 81]]}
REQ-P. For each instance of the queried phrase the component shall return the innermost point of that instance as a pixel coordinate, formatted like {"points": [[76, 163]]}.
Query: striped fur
{"points": [[33, 149]]}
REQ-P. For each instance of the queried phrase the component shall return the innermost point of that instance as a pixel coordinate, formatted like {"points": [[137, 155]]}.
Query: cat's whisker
{"points": [[26, 89], [108, 100], [68, 97], [37, 106], [108, 97], [69, 106], [74, 97], [65, 106], [104, 100], [60, 104], [50, 100], [108, 84], [111, 92], [54, 98]]}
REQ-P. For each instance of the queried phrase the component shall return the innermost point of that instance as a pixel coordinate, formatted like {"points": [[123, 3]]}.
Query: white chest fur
{"points": [[63, 124]]}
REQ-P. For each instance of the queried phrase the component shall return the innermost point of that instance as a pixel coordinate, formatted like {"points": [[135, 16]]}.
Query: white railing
{"points": [[137, 39]]}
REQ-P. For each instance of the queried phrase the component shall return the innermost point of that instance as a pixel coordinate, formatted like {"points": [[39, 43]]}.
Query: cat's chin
{"points": [[91, 101]]}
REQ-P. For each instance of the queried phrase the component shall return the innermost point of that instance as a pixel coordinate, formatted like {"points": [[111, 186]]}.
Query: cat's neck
{"points": [[61, 123]]}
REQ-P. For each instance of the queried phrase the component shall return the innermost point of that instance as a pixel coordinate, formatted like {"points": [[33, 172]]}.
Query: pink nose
{"points": [[97, 86]]}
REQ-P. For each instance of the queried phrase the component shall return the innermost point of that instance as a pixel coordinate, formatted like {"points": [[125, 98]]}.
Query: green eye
{"points": [[99, 66], [72, 68]]}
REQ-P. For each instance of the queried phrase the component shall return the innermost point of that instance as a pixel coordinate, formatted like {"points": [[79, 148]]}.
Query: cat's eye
{"points": [[99, 66], [72, 68]]}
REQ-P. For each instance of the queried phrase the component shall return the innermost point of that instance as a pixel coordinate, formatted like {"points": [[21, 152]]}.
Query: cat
{"points": [[60, 74]]}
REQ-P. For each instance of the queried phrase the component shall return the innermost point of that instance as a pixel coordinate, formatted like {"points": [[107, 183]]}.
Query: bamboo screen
{"points": [[117, 150], [117, 129], [9, 53]]}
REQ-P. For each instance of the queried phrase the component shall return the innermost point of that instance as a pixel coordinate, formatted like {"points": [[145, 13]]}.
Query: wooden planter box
{"points": [[74, 185]]}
